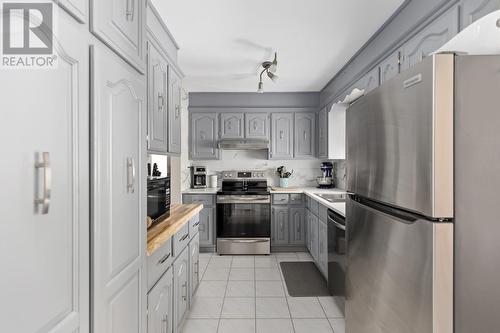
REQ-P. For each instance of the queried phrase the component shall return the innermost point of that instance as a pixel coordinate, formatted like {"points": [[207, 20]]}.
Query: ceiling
{"points": [[223, 42]]}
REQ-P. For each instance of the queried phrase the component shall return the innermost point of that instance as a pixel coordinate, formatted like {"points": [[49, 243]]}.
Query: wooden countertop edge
{"points": [[180, 214]]}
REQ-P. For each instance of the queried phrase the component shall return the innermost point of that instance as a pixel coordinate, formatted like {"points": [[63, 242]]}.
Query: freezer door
{"points": [[400, 140], [399, 272]]}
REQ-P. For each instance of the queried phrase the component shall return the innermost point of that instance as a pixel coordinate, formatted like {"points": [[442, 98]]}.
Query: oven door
{"points": [[243, 216]]}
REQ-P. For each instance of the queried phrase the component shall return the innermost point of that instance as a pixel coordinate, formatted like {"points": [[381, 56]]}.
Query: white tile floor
{"points": [[247, 294]]}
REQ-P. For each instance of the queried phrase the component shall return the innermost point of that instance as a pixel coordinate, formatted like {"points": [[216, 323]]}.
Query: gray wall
{"points": [[254, 100]]}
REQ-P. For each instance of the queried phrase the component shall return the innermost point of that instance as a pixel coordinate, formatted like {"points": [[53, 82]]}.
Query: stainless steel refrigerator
{"points": [[422, 151]]}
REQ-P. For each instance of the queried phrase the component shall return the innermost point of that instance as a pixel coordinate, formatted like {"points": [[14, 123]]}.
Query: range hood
{"points": [[243, 144]]}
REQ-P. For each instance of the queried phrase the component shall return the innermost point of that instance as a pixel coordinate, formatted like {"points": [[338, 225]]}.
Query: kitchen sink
{"points": [[332, 197]]}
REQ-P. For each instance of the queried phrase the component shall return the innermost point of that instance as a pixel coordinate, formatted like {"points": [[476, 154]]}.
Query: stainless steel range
{"points": [[244, 213]]}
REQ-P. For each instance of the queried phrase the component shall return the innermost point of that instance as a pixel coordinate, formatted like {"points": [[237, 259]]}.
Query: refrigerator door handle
{"points": [[399, 214]]}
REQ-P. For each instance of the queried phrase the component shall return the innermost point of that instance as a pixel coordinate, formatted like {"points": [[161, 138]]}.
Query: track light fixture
{"points": [[270, 68]]}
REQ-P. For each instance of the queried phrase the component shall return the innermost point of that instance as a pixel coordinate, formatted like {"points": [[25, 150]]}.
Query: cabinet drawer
{"points": [[280, 199], [194, 225], [205, 199], [159, 262], [322, 213], [181, 239], [296, 199]]}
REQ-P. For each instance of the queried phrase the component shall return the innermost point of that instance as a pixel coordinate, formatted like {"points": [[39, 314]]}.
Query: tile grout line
{"points": [[285, 292], [225, 292], [326, 315]]}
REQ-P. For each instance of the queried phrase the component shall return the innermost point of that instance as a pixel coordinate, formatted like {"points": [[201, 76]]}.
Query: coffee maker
{"points": [[198, 177]]}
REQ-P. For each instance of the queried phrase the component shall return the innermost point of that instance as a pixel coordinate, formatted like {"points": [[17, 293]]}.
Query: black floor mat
{"points": [[303, 279]]}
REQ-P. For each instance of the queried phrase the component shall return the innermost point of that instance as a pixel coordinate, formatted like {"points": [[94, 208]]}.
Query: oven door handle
{"points": [[249, 240], [338, 225]]}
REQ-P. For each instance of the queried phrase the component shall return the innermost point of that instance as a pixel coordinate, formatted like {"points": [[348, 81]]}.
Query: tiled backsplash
{"points": [[304, 171]]}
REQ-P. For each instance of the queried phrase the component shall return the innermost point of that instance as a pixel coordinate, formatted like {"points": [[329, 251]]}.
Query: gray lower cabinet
{"points": [[314, 225], [472, 10], [280, 226], [160, 311], [45, 254], [323, 133], [119, 196], [194, 265], [281, 135], [120, 24], [203, 136], [431, 38], [298, 225], [304, 145], [158, 98], [207, 227], [181, 288], [323, 247], [232, 125], [390, 67], [257, 125], [174, 112]]}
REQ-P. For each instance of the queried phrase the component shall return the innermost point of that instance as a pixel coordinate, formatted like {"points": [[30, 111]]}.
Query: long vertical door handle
{"points": [[177, 111], [129, 11], [305, 136], [47, 182], [130, 175], [133, 175]]}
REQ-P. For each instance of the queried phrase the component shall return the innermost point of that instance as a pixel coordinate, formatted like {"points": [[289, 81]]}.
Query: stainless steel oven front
{"points": [[243, 224]]}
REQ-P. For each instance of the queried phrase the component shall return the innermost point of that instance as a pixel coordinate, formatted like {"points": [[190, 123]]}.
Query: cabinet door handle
{"points": [[184, 287], [255, 125], [161, 103], [196, 224], [184, 237], [47, 182], [165, 324], [130, 175], [281, 135], [177, 111], [162, 260], [130, 10], [197, 265], [281, 226], [305, 136]]}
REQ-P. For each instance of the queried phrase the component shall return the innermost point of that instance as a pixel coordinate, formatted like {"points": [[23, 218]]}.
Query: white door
{"points": [[44, 254], [119, 215], [121, 25]]}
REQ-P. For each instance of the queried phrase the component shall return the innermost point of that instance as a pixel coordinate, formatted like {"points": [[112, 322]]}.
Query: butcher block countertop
{"points": [[162, 231]]}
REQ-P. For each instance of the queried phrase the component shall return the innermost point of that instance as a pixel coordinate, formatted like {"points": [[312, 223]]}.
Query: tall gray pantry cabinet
{"points": [[44, 225], [119, 195]]}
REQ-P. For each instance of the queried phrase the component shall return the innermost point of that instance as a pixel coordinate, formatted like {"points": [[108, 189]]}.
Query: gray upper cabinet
{"points": [[45, 255], [473, 10], [281, 135], [232, 125], [76, 8], [297, 222], [323, 133], [431, 38], [280, 226], [304, 135], [207, 227], [390, 67], [119, 197], [203, 136], [120, 25], [157, 100], [160, 312], [369, 81], [174, 112], [257, 125]]}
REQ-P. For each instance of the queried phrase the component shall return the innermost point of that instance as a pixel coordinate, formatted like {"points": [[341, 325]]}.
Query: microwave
{"points": [[158, 203]]}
